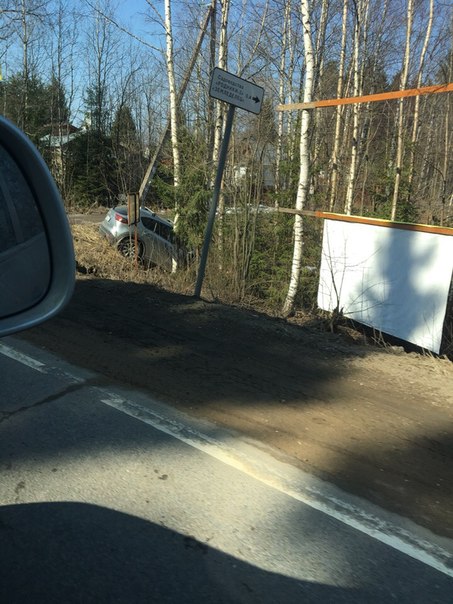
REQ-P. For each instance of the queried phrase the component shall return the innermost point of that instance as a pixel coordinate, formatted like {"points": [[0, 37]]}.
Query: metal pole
{"points": [[214, 201]]}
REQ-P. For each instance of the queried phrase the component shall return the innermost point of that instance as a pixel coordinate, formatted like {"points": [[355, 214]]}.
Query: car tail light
{"points": [[120, 218]]}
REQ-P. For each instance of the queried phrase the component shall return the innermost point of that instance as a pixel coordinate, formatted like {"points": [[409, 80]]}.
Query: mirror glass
{"points": [[24, 254]]}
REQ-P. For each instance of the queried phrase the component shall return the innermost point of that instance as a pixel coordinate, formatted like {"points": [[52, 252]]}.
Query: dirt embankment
{"points": [[376, 423]]}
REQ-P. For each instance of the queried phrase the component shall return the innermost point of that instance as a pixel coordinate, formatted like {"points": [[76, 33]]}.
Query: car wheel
{"points": [[127, 248]]}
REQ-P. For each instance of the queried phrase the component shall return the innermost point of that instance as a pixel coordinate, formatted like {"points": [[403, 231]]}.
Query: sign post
{"points": [[237, 92], [133, 216], [132, 208]]}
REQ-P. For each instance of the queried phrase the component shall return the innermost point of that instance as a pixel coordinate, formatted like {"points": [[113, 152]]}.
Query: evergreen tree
{"points": [[59, 111], [127, 151], [96, 112], [33, 115], [91, 170], [124, 131]]}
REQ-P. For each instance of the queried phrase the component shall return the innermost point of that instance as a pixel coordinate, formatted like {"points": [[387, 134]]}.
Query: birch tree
{"points": [[319, 69], [304, 172], [403, 84], [339, 109], [25, 65], [360, 33], [61, 57], [101, 51], [219, 123], [172, 98], [28, 19], [447, 142], [211, 103], [415, 123], [222, 64], [282, 92]]}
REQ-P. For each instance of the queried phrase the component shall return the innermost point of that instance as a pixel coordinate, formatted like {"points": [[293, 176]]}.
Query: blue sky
{"points": [[129, 12]]}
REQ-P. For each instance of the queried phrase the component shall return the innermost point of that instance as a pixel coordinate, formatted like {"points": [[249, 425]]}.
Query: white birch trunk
{"points": [[219, 125], [414, 136], [282, 95], [403, 84], [448, 140], [211, 103], [319, 70], [355, 127], [290, 117], [222, 64], [172, 97], [360, 32], [173, 112], [338, 111], [25, 50], [303, 186]]}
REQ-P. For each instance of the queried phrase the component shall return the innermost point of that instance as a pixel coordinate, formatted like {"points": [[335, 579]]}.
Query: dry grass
{"points": [[96, 257]]}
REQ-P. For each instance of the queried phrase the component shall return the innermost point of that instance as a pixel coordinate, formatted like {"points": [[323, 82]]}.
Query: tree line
{"points": [[97, 92]]}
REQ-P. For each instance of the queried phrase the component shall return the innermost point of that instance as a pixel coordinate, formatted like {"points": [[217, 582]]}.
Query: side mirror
{"points": [[37, 265]]}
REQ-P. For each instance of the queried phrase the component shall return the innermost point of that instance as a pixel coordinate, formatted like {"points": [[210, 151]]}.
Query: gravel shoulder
{"points": [[377, 423]]}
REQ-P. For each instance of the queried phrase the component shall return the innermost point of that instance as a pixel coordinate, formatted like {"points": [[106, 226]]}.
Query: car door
{"points": [[158, 241]]}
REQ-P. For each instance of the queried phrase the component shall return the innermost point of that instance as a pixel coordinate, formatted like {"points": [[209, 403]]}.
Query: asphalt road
{"points": [[109, 496]]}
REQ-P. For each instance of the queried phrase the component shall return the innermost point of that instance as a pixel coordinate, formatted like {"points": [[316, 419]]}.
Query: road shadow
{"points": [[75, 552], [190, 351]]}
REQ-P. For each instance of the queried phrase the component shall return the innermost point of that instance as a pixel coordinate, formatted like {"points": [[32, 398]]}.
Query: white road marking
{"points": [[313, 495], [287, 479], [7, 351]]}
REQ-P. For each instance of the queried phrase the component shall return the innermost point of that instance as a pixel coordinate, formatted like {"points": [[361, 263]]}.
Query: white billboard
{"points": [[392, 279]]}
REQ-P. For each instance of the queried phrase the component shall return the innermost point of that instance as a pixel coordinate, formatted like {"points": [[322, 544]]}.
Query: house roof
{"points": [[59, 134], [56, 141]]}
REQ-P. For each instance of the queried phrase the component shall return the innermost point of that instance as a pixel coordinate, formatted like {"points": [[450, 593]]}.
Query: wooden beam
{"points": [[300, 212], [369, 98], [405, 226]]}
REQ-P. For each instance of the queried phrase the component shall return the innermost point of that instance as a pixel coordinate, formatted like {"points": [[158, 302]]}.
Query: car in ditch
{"points": [[152, 240]]}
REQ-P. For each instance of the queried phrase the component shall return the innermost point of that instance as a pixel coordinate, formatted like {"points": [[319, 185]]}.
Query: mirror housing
{"points": [[37, 263]]}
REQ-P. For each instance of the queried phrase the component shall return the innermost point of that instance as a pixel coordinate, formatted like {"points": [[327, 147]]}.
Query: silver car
{"points": [[155, 237]]}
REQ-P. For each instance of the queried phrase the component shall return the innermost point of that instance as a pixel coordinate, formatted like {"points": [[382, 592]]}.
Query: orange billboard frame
{"points": [[369, 98]]}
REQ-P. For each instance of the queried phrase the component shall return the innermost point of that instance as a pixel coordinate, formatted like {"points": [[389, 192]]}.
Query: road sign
{"points": [[238, 92]]}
